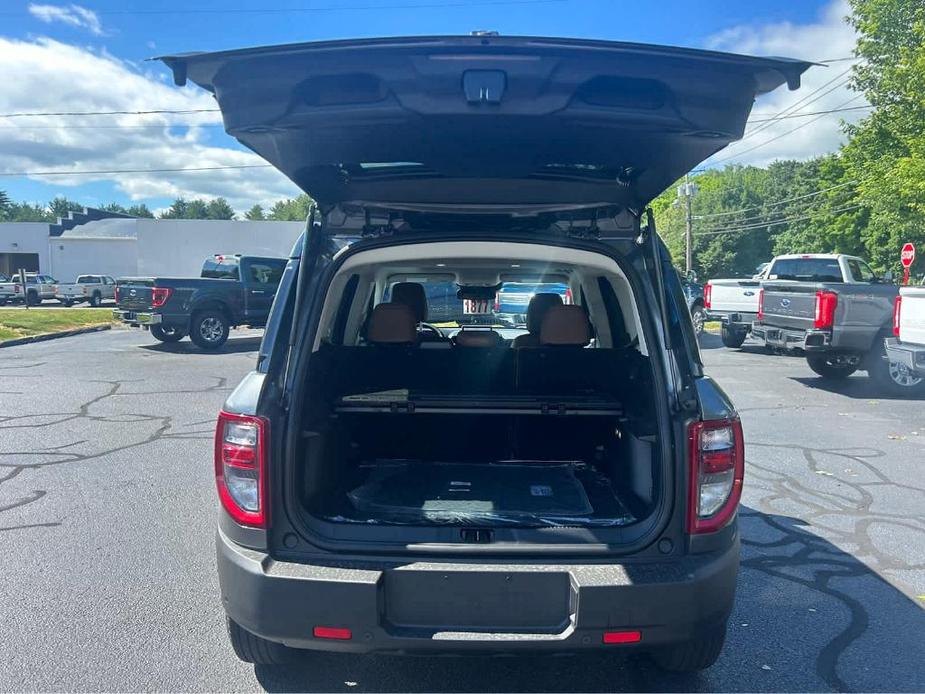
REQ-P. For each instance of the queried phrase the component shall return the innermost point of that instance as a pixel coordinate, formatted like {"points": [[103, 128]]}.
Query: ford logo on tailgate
{"points": [[785, 303], [133, 293]]}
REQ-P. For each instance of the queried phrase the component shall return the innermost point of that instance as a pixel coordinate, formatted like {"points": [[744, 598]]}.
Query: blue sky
{"points": [[91, 56]]}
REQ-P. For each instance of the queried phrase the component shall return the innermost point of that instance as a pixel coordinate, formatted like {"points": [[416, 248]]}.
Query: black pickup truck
{"points": [[232, 290]]}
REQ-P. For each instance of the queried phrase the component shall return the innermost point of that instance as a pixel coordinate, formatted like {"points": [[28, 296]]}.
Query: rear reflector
{"points": [[622, 637], [332, 633], [897, 309]]}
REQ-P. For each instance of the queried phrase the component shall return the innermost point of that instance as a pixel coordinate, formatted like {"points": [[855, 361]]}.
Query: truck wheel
{"points": [[894, 378], [250, 648], [209, 329], [32, 299], [167, 334], [96, 300], [2, 302], [698, 318], [697, 654], [732, 338], [67, 303], [831, 367]]}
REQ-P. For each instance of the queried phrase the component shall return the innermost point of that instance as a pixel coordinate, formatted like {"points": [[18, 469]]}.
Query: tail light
{"points": [[568, 296], [897, 308], [86, 291], [497, 302], [241, 468], [159, 296], [708, 295], [717, 468], [115, 294], [760, 304], [826, 302], [17, 289]]}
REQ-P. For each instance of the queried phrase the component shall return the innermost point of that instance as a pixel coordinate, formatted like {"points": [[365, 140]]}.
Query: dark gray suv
{"points": [[391, 485]]}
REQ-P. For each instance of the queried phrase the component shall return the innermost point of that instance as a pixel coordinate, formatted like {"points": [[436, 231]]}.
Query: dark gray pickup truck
{"points": [[832, 307], [232, 290]]}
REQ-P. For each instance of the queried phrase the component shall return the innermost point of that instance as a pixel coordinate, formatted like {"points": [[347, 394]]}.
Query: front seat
{"points": [[536, 311], [412, 294], [565, 326], [392, 324]]}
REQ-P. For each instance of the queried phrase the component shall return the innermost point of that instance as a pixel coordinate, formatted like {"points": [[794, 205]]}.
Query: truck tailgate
{"points": [[734, 296], [135, 293], [789, 305], [912, 315]]}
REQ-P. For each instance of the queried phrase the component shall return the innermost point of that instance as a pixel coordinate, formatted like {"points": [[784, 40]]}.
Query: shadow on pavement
{"points": [[808, 617], [858, 387], [233, 346]]}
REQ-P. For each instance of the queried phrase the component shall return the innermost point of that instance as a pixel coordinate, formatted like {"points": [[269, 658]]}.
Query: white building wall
{"points": [[177, 247], [26, 237], [70, 257]]}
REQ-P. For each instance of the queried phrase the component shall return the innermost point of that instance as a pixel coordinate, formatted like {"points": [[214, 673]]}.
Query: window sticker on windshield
{"points": [[540, 490]]}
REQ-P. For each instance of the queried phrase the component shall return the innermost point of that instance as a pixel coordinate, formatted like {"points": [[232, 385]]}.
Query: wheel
{"points": [[96, 300], [833, 366], [2, 302], [32, 299], [67, 303], [209, 329], [732, 338], [697, 654], [894, 378], [252, 649], [698, 318], [167, 334]]}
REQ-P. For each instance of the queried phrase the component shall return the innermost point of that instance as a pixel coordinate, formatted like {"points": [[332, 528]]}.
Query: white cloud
{"points": [[72, 15], [830, 37], [75, 79]]}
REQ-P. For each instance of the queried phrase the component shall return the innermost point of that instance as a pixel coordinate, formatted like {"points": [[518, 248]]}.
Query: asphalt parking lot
{"points": [[107, 517]]}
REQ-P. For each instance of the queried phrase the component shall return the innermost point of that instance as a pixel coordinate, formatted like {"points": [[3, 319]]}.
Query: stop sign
{"points": [[907, 255]]}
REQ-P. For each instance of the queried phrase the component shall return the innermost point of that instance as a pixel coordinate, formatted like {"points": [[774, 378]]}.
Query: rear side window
{"points": [[807, 270], [860, 271], [87, 279], [264, 273], [220, 269]]}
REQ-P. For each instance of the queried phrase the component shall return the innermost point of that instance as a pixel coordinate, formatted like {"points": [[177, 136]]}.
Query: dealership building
{"points": [[103, 243]]}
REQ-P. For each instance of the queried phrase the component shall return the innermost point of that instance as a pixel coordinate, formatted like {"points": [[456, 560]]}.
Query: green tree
{"points": [[60, 206], [140, 210], [27, 212], [886, 150], [291, 210], [182, 208], [6, 206], [255, 213], [219, 209]]}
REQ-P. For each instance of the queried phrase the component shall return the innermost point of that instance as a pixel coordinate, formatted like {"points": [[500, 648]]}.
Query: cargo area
{"points": [[483, 438]]}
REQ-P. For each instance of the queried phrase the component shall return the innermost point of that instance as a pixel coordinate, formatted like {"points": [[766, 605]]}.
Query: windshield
{"points": [[807, 270], [507, 307]]}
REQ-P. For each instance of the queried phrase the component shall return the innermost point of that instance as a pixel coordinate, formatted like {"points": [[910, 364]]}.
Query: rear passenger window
{"points": [[263, 273]]}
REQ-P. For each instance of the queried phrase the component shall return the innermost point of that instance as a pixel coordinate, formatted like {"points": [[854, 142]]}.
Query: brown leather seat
{"points": [[392, 324], [478, 338], [411, 294], [536, 311], [565, 326]]}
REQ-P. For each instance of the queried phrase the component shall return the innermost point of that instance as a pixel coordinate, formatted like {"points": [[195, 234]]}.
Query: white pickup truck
{"points": [[90, 288], [906, 350], [735, 304]]}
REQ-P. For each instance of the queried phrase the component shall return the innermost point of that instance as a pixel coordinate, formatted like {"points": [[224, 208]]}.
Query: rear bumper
{"points": [[137, 318], [910, 356], [384, 604], [792, 338], [734, 320]]}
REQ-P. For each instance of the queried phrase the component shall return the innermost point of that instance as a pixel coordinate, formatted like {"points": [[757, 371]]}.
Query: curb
{"points": [[53, 336]]}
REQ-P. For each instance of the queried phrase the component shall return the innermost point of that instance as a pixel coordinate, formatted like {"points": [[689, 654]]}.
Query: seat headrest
{"points": [[392, 324], [411, 294], [536, 309], [478, 338], [565, 325]]}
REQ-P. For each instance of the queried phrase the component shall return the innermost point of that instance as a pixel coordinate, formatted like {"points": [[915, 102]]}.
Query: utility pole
{"points": [[687, 191]]}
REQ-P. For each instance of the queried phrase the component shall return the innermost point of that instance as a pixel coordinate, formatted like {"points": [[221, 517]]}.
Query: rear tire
{"points": [[167, 334], [699, 319], [32, 299], [829, 368], [209, 329], [96, 300], [697, 654], [732, 338], [67, 303], [250, 648], [893, 378]]}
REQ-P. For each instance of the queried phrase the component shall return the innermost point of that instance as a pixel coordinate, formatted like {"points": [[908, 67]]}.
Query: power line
{"points": [[775, 222], [309, 10], [776, 203], [126, 171], [784, 134], [110, 113], [810, 113]]}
